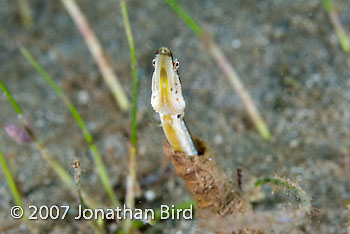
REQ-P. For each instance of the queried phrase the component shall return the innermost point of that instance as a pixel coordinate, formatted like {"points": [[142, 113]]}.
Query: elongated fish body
{"points": [[177, 134], [168, 101]]}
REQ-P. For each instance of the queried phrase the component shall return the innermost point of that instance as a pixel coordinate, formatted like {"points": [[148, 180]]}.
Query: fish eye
{"points": [[154, 62], [176, 65]]}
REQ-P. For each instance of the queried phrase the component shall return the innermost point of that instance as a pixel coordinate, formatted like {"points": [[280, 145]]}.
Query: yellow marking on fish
{"points": [[171, 134], [165, 95]]}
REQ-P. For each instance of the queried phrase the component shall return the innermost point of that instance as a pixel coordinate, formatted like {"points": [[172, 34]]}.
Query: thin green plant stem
{"points": [[11, 182], [339, 29], [96, 50], [11, 99], [183, 14], [131, 180], [88, 137], [134, 70], [226, 67], [328, 5]]}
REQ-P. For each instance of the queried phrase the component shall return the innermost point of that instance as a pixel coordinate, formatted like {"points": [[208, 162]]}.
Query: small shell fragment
{"points": [[17, 133]]}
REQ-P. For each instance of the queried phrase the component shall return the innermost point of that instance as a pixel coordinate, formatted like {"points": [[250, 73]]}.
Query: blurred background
{"points": [[286, 53]]}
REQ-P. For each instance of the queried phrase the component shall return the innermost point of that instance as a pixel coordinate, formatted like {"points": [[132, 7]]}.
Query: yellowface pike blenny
{"points": [[168, 101]]}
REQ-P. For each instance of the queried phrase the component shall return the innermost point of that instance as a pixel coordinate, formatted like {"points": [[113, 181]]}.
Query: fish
{"points": [[167, 99]]}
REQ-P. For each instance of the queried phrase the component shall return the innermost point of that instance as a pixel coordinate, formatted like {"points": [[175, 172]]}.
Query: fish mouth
{"points": [[164, 51]]}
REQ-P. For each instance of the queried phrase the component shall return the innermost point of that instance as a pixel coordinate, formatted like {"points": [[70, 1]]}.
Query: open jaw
{"points": [[166, 87]]}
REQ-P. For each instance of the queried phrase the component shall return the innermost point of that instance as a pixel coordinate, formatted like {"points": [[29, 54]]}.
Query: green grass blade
{"points": [[131, 180], [339, 29], [328, 5], [11, 99], [344, 40], [11, 182], [183, 14], [134, 71], [88, 137]]}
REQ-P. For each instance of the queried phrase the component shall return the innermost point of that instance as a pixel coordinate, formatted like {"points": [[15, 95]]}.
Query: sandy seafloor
{"points": [[269, 43]]}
